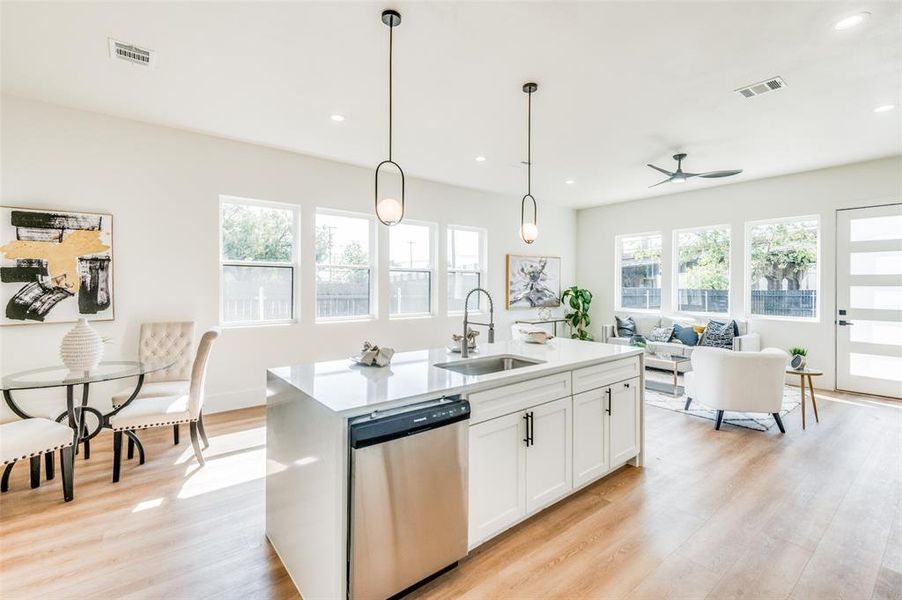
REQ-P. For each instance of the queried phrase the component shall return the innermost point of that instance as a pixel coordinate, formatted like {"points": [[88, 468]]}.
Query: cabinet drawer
{"points": [[605, 374], [511, 398]]}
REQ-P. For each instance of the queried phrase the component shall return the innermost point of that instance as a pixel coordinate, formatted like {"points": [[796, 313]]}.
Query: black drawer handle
{"points": [[610, 402], [530, 423]]}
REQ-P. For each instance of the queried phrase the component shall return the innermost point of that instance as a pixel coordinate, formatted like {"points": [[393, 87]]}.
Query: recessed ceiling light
{"points": [[337, 118], [851, 21], [884, 108], [480, 159], [569, 182]]}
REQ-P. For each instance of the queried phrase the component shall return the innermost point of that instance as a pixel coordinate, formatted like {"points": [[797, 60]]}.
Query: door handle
{"points": [[528, 417], [844, 323], [608, 392], [532, 428], [526, 439]]}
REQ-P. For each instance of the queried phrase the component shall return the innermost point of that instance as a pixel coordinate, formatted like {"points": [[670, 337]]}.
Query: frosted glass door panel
{"points": [[875, 228], [880, 297], [887, 333], [877, 367], [876, 263]]}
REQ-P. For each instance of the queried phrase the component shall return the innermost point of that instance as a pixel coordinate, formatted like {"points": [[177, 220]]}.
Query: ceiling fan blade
{"points": [[721, 173], [660, 182], [668, 173]]}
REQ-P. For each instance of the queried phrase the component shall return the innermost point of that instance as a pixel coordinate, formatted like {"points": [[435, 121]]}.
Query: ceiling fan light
{"points": [[678, 179]]}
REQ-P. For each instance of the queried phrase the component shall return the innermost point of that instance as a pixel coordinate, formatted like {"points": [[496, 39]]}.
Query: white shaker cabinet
{"points": [[497, 475], [590, 435], [549, 469], [624, 421]]}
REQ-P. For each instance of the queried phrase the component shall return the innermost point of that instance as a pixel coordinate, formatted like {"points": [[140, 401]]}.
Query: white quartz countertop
{"points": [[350, 389]]}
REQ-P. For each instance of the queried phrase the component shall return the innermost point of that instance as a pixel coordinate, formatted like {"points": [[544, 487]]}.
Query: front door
{"points": [[869, 300]]}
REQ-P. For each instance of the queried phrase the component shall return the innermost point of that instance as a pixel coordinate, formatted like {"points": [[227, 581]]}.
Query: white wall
{"points": [[819, 193], [163, 186]]}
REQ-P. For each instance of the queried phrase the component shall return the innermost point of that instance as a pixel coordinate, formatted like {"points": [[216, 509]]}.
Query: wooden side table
{"points": [[804, 374]]}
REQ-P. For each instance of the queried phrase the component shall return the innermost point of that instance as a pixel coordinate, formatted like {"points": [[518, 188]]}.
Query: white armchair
{"points": [[737, 381]]}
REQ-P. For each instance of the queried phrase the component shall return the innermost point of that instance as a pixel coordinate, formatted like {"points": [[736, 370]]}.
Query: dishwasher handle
{"points": [[379, 429]]}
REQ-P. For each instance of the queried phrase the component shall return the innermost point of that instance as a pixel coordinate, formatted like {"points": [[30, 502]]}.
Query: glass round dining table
{"points": [[60, 376]]}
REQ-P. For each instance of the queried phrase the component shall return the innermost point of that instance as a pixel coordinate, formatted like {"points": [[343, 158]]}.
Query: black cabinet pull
{"points": [[532, 428], [526, 439], [626, 385], [530, 424], [608, 392]]}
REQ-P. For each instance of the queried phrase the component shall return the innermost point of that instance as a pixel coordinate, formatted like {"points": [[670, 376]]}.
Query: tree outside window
{"points": [[783, 268], [703, 270]]}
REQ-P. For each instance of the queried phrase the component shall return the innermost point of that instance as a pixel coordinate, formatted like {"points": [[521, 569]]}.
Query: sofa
{"points": [[645, 322]]}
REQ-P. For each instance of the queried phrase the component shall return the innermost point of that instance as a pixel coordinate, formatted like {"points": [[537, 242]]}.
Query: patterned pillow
{"points": [[685, 335], [625, 327], [661, 334], [718, 335]]}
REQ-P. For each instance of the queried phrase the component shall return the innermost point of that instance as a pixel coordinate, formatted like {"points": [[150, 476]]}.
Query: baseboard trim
{"points": [[226, 401]]}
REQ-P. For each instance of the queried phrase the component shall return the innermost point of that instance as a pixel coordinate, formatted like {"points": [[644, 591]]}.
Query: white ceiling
{"points": [[620, 83]]}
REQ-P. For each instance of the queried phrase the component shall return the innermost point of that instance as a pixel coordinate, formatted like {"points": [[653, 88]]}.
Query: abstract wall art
{"points": [[55, 266], [533, 281]]}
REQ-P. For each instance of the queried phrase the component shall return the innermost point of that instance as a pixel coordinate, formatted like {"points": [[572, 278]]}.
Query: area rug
{"points": [[758, 421]]}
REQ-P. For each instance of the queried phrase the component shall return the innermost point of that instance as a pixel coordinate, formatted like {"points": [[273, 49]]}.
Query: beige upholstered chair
{"points": [[159, 342], [30, 438], [167, 410]]}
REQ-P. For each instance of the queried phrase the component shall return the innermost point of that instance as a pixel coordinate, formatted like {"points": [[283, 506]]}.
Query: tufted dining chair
{"points": [[159, 342], [163, 411], [31, 438]]}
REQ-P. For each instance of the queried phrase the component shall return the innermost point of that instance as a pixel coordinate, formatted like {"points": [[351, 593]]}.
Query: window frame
{"points": [[371, 266], [618, 281], [747, 271], [481, 274], [293, 265], [675, 265], [432, 270]]}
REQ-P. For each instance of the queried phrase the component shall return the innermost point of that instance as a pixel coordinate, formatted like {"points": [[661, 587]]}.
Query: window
{"points": [[639, 269], [781, 259], [344, 254], [703, 270], [411, 265], [466, 266], [258, 248]]}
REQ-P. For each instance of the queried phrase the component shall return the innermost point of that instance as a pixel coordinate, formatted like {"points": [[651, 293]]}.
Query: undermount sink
{"points": [[489, 364]]}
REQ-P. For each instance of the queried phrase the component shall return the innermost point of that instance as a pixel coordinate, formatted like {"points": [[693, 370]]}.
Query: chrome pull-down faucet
{"points": [[464, 342]]}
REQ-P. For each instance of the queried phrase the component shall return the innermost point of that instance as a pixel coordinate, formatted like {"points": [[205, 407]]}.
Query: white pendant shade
{"points": [[389, 211], [529, 232]]}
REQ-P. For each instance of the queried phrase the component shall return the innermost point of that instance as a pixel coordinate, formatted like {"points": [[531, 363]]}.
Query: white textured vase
{"points": [[81, 348]]}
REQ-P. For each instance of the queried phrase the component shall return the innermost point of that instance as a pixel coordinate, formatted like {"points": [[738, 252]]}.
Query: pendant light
{"points": [[389, 210], [529, 230]]}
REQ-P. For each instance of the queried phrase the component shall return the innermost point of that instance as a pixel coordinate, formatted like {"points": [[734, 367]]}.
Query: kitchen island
{"points": [[550, 420]]}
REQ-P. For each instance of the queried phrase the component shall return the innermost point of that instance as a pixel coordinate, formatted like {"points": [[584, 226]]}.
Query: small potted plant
{"points": [[798, 360]]}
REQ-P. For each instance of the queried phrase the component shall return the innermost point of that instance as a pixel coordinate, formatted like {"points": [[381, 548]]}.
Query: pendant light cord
{"points": [[529, 145], [391, 29]]}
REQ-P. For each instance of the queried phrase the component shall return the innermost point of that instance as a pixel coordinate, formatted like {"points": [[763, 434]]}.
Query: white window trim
{"points": [[483, 263], [617, 272], [294, 264], [675, 277], [747, 271], [432, 269], [372, 266]]}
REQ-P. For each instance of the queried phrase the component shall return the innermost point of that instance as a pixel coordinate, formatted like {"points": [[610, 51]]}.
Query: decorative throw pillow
{"points": [[686, 335], [661, 334], [719, 335], [625, 327], [699, 329]]}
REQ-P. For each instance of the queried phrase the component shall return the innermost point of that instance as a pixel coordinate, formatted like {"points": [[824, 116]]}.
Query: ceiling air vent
{"points": [[132, 54], [756, 89]]}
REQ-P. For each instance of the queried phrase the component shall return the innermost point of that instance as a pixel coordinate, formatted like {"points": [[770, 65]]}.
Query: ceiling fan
{"points": [[679, 176]]}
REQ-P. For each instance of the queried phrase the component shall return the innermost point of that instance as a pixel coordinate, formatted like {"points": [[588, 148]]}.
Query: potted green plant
{"points": [[799, 354], [578, 299]]}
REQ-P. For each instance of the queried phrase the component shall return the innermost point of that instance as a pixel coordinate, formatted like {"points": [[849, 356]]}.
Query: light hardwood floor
{"points": [[727, 514]]}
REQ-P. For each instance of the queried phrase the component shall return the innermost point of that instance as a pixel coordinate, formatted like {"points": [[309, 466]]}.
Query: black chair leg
{"points": [[203, 433], [67, 466], [4, 483], [133, 439], [196, 443], [779, 422], [688, 402], [87, 443], [131, 448], [175, 435], [117, 454], [719, 420], [35, 471], [49, 465]]}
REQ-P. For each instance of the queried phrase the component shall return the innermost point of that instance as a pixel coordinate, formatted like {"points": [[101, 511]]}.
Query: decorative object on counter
{"points": [[82, 347], [454, 346], [533, 281], [544, 313], [56, 266], [529, 231], [374, 356], [389, 210], [537, 336], [578, 299], [799, 357]]}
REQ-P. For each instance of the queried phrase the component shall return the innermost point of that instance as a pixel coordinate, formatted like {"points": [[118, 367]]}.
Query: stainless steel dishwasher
{"points": [[408, 496]]}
